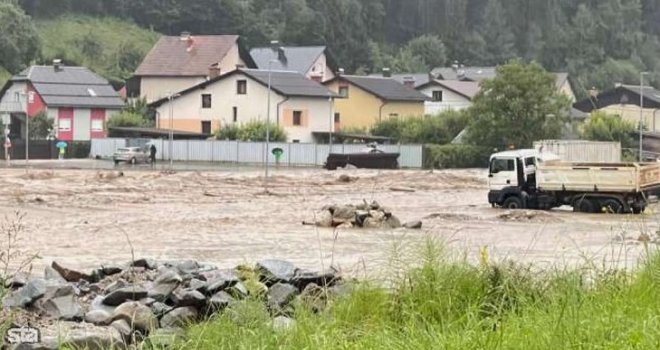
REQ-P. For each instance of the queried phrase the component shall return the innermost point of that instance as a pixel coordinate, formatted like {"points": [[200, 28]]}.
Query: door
{"points": [[502, 173], [206, 127]]}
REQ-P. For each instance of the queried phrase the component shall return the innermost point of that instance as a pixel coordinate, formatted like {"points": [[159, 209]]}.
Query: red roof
{"points": [[176, 56]]}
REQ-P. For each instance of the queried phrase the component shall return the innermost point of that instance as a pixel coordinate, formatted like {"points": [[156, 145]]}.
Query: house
{"points": [[78, 100], [299, 105], [176, 63], [366, 100], [313, 62], [624, 100]]}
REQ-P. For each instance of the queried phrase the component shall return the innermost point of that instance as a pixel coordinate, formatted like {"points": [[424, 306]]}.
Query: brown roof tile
{"points": [[170, 57]]}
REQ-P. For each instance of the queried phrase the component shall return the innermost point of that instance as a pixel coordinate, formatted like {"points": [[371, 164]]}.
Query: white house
{"points": [[299, 105], [448, 95], [314, 62]]}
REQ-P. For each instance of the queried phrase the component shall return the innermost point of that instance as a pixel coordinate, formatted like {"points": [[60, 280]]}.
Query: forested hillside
{"points": [[598, 41]]}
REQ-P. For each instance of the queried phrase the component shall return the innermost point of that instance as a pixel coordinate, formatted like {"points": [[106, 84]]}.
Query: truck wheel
{"points": [[584, 205], [512, 202], [612, 206]]}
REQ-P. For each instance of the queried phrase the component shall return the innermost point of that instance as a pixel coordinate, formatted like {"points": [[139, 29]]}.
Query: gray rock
{"points": [[314, 297], [280, 295], [197, 284], [52, 275], [192, 298], [377, 215], [164, 285], [324, 219], [97, 304], [147, 301], [238, 291], [160, 309], [122, 295], [360, 216], [219, 301], [148, 264], [74, 335], [111, 270], [413, 225], [372, 223], [273, 271], [165, 338], [98, 317], [62, 308], [393, 222], [118, 284], [342, 214], [187, 266], [222, 280], [282, 323], [27, 295], [304, 277], [123, 328], [138, 316], [18, 280], [71, 275], [179, 317]]}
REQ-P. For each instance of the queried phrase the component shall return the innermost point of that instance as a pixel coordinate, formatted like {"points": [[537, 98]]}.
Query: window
{"points": [[343, 91], [241, 87], [295, 141], [97, 124], [499, 165], [64, 124], [297, 118], [437, 95], [206, 127], [206, 100], [529, 161], [235, 114], [337, 118]]}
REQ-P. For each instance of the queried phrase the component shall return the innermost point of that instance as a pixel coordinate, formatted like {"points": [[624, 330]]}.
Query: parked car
{"points": [[132, 155]]}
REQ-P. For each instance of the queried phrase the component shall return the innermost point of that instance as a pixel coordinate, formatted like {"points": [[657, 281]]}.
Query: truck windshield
{"points": [[500, 164]]}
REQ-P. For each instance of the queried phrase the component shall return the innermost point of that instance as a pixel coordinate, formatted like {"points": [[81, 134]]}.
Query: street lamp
{"points": [[332, 122], [270, 69], [171, 138], [641, 113], [27, 127]]}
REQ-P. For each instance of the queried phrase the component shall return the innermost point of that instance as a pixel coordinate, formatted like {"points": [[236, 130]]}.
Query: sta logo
{"points": [[23, 335]]}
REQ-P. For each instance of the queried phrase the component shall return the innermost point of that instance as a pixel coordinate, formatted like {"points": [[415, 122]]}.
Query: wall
{"points": [[403, 109], [631, 114], [155, 88], [35, 102], [567, 90], [450, 100], [9, 102], [188, 112], [317, 114], [359, 110], [231, 60], [321, 63]]}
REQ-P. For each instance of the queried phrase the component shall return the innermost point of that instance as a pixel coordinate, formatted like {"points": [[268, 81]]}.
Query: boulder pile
{"points": [[364, 215], [149, 301]]}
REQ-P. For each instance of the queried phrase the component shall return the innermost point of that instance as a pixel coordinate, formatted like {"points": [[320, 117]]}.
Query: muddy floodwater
{"points": [[84, 218]]}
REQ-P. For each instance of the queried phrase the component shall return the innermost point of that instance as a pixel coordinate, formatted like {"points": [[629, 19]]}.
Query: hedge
{"points": [[456, 156]]}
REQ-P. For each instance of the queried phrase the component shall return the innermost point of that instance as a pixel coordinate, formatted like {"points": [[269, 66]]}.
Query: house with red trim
{"points": [[78, 100]]}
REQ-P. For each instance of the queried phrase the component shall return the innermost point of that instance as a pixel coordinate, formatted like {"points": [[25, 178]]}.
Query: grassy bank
{"points": [[443, 304]]}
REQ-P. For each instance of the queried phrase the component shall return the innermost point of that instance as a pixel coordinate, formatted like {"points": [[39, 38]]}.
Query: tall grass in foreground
{"points": [[443, 304]]}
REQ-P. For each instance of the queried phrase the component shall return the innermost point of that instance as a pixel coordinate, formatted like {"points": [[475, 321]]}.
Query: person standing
{"points": [[152, 154], [7, 150]]}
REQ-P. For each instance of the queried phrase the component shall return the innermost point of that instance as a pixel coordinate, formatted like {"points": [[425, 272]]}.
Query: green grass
{"points": [[441, 303], [109, 46]]}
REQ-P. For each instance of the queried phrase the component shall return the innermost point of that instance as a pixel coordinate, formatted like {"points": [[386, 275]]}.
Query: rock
{"points": [[222, 280], [16, 281], [148, 264], [165, 338], [314, 297], [238, 291], [220, 301], [192, 298], [374, 205], [52, 275], [71, 275], [110, 270], [324, 219], [27, 295], [360, 216], [187, 266], [372, 223], [273, 271], [123, 328], [147, 301], [304, 278], [72, 335], [138, 316], [343, 214], [280, 295], [121, 295], [345, 178], [413, 225], [97, 304], [160, 309], [164, 285], [62, 308], [118, 284], [197, 284], [345, 225], [98, 317], [377, 215], [282, 323], [179, 317], [393, 222]]}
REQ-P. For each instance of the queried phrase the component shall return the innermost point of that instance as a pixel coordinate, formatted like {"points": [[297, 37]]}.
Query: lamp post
{"points": [[270, 70], [27, 128], [171, 136], [641, 114], [332, 122]]}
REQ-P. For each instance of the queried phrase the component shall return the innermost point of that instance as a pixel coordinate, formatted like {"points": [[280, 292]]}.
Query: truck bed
{"points": [[592, 177]]}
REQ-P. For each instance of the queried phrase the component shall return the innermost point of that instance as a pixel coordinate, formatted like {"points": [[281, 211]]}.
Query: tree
{"points": [[127, 119], [609, 127], [254, 131], [41, 126], [19, 42], [520, 105], [500, 41], [430, 49]]}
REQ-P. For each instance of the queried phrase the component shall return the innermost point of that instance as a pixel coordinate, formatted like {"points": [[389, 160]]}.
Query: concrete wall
{"points": [[631, 114], [450, 100], [155, 88], [321, 65], [231, 60], [188, 112]]}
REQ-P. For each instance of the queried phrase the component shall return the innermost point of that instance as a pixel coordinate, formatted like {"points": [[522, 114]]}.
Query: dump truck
{"points": [[529, 179]]}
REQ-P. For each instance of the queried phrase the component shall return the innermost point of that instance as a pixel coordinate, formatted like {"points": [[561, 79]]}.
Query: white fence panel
{"points": [[302, 153], [251, 152], [106, 147]]}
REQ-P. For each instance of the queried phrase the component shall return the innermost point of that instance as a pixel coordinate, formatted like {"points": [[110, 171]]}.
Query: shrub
{"points": [[455, 156], [253, 131], [40, 126], [127, 119], [609, 127], [79, 149], [437, 129]]}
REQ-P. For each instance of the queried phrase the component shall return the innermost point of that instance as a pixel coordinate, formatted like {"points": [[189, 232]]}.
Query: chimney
{"points": [[454, 66], [387, 73], [184, 36], [281, 55], [409, 82], [214, 71], [188, 39], [340, 71], [57, 65]]}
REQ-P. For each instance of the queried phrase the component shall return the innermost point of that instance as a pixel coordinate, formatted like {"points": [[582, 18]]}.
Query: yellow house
{"points": [[364, 101]]}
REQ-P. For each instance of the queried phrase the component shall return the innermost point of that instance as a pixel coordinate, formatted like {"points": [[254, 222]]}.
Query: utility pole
{"points": [[641, 115]]}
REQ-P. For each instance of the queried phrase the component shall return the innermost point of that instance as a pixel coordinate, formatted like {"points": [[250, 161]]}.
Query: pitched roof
{"points": [[171, 56], [418, 78], [465, 73], [70, 87], [292, 84], [467, 89], [291, 58], [621, 94], [385, 88]]}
